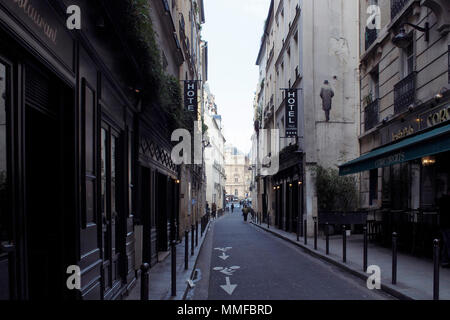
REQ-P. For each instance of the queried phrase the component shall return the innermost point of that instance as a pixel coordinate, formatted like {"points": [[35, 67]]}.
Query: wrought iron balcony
{"points": [[371, 36], [405, 93], [371, 114], [397, 6]]}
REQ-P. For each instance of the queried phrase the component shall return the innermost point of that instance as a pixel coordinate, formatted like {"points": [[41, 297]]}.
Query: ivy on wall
{"points": [[158, 87]]}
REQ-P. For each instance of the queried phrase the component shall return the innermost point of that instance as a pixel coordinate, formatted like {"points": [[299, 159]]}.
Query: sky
{"points": [[233, 30]]}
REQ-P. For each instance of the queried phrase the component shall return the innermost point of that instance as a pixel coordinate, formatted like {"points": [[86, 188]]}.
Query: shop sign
{"points": [[415, 123], [435, 116], [390, 160], [41, 19]]}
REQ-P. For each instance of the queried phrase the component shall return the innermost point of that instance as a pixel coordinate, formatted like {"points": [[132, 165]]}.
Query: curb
{"points": [[386, 288], [196, 259]]}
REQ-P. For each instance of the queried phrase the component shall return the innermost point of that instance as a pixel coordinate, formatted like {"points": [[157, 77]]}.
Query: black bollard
{"points": [[144, 281], [344, 243], [196, 234], [436, 270], [174, 268], [365, 249], [315, 234], [305, 232], [298, 229], [327, 238], [394, 258], [192, 240], [186, 250]]}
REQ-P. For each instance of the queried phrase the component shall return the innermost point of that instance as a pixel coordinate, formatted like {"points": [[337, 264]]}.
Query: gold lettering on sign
{"points": [[402, 133], [38, 20], [438, 117]]}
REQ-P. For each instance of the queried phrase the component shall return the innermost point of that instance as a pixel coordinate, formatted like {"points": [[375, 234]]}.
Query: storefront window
{"points": [[3, 156]]}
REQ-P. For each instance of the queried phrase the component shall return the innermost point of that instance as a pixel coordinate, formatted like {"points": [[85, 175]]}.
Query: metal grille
{"points": [[371, 36], [405, 93], [37, 92], [397, 6], [371, 115]]}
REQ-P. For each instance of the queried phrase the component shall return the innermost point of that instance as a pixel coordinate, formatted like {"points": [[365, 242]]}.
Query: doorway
{"points": [[111, 209], [7, 243], [162, 217], [43, 186]]}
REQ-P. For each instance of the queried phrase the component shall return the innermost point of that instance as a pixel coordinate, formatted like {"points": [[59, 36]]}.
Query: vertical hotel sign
{"points": [[191, 95], [291, 113]]}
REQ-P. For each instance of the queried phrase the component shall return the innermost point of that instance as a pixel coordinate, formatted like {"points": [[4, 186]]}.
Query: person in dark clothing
{"points": [[214, 209], [232, 207], [444, 223], [245, 212]]}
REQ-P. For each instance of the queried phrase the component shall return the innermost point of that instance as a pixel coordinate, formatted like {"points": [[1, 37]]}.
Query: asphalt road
{"points": [[256, 265]]}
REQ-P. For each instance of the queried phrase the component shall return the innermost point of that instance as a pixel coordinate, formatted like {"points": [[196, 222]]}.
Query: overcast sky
{"points": [[233, 30]]}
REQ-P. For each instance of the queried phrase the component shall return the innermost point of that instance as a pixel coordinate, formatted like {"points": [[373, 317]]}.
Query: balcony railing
{"points": [[371, 115], [397, 6], [371, 36], [405, 93]]}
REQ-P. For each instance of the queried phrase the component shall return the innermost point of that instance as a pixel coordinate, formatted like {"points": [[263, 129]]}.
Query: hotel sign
{"points": [[41, 19], [291, 113], [191, 95]]}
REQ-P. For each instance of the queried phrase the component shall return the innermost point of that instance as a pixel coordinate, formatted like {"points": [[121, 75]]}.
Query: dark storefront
{"points": [[288, 191], [415, 179], [70, 136]]}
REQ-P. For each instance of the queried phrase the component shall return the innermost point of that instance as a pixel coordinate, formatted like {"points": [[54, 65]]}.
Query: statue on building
{"points": [[327, 94]]}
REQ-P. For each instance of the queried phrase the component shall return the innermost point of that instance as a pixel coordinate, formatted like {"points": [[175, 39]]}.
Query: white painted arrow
{"points": [[228, 287], [224, 256]]}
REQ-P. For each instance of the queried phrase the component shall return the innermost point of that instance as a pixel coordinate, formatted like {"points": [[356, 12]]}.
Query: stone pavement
{"points": [[414, 274], [160, 274]]}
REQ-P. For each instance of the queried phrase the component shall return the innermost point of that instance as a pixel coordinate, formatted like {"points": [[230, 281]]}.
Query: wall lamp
{"points": [[440, 94], [402, 39]]}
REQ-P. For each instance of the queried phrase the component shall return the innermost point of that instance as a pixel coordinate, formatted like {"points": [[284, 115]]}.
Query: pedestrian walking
{"points": [[214, 209], [245, 212], [232, 207]]}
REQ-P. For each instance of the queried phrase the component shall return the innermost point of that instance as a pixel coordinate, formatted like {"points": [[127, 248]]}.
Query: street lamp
{"points": [[402, 39]]}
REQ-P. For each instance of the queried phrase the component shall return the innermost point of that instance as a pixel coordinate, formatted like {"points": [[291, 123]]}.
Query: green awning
{"points": [[415, 147]]}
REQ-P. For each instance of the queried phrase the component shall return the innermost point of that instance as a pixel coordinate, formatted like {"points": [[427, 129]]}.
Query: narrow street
{"points": [[241, 262]]}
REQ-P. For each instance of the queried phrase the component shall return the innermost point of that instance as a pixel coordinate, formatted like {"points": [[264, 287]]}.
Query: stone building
{"points": [[404, 134], [214, 153], [237, 173], [319, 62]]}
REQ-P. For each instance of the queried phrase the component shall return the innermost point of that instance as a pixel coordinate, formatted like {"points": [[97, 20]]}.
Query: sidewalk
{"points": [[160, 287], [414, 275]]}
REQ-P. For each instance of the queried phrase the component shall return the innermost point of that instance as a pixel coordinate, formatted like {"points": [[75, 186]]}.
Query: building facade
{"points": [[404, 62], [214, 154], [237, 173], [85, 140], [319, 61]]}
